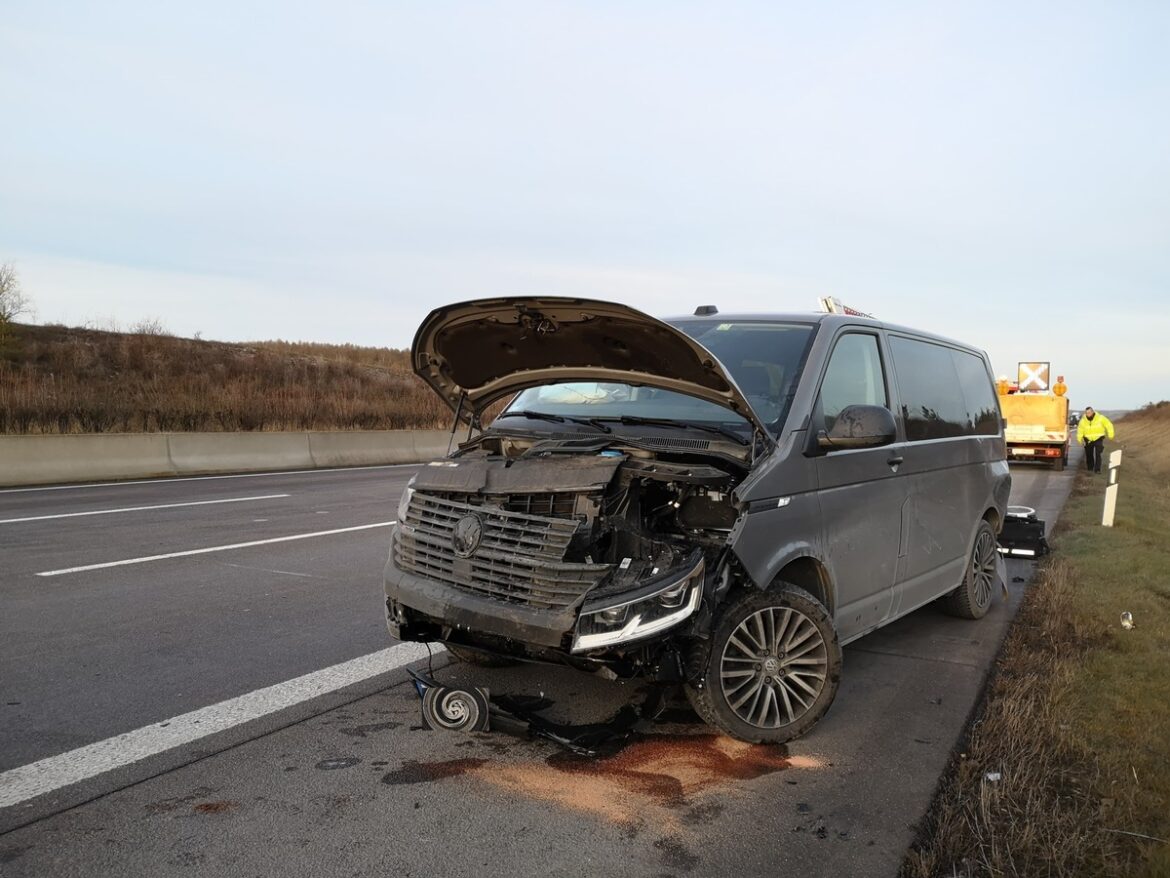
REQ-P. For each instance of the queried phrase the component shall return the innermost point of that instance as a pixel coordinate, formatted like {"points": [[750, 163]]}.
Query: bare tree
{"points": [[12, 301]]}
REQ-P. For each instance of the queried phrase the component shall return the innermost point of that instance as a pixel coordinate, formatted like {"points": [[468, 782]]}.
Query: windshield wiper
{"points": [[672, 422], [560, 419]]}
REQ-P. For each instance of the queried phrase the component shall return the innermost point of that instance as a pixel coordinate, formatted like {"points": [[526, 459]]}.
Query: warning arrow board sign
{"points": [[1033, 376]]}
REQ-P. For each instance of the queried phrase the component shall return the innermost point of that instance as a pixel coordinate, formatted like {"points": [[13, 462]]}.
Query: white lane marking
{"points": [[270, 570], [283, 472], [141, 508], [204, 551], [37, 778]]}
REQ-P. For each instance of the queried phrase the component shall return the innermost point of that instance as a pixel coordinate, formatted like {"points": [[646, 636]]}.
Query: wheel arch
{"points": [[810, 574], [995, 518]]}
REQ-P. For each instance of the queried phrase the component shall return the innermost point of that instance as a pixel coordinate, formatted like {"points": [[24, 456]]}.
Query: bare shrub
{"points": [[149, 326]]}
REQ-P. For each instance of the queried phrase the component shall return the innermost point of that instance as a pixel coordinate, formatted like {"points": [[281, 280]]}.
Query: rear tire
{"points": [[475, 657], [972, 599], [772, 669], [1059, 463]]}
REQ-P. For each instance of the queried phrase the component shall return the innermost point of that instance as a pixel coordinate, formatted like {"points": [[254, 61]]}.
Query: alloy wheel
{"points": [[773, 667], [983, 567]]}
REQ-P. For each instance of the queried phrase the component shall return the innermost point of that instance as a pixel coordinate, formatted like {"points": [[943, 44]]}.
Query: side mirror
{"points": [[859, 426]]}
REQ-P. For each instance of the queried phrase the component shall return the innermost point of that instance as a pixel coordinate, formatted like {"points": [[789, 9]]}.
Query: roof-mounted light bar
{"points": [[833, 305]]}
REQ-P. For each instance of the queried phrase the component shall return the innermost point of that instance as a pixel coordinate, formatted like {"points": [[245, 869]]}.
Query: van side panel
{"points": [[890, 535], [954, 460], [770, 538]]}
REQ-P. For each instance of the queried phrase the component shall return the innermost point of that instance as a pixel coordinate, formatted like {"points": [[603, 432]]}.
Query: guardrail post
{"points": [[1111, 489]]}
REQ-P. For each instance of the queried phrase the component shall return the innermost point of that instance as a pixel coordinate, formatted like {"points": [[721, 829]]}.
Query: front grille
{"points": [[520, 558], [556, 505], [551, 504]]}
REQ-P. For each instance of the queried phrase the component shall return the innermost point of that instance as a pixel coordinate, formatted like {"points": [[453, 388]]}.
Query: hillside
{"points": [[55, 379]]}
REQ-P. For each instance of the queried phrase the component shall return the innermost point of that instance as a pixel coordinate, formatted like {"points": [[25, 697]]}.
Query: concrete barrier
{"points": [[376, 447], [429, 444], [36, 460], [45, 460], [238, 452]]}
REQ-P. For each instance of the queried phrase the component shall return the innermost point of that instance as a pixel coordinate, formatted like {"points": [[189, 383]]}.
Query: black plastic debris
{"points": [[1022, 535], [474, 710]]}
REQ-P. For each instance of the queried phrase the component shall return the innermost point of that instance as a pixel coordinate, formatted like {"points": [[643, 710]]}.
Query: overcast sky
{"points": [[999, 173]]}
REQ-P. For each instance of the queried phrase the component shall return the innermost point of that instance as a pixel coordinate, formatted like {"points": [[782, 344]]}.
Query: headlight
{"points": [[404, 501], [633, 619]]}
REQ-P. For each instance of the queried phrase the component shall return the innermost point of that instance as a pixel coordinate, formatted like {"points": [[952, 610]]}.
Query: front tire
{"points": [[773, 667], [972, 599]]}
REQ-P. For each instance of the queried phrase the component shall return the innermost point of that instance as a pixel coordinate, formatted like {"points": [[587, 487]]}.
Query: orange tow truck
{"points": [[1037, 416]]}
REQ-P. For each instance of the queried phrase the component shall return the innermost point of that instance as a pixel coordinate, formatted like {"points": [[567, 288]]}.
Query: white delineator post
{"points": [[1111, 489]]}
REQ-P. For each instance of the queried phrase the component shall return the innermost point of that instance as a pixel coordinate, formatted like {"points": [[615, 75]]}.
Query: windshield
{"points": [[764, 358]]}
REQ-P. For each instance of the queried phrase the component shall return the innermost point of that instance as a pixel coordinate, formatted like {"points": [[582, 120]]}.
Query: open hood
{"points": [[490, 348]]}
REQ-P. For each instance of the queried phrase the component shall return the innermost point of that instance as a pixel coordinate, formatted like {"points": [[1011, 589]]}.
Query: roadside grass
{"points": [[1076, 716], [55, 379]]}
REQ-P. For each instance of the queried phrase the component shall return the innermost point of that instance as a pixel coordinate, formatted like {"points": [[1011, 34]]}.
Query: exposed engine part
{"points": [[556, 535], [472, 709]]}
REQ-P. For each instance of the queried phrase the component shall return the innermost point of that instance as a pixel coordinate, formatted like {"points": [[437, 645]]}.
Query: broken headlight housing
{"points": [[404, 501], [633, 618]]}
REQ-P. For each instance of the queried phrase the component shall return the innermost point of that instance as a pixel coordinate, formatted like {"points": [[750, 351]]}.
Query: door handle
{"points": [[895, 461]]}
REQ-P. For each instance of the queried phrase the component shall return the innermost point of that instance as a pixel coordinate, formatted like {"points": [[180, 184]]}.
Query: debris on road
{"points": [[472, 709], [1022, 534]]}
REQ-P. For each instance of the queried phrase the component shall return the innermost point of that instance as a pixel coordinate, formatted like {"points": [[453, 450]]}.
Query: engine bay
{"points": [[641, 511], [610, 518]]}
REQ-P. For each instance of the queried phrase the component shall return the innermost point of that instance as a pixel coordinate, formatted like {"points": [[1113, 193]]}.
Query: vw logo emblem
{"points": [[467, 534]]}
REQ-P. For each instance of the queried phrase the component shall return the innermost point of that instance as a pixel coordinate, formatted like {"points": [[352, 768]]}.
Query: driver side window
{"points": [[854, 377]]}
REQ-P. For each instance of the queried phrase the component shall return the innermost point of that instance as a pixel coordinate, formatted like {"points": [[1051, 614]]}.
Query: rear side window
{"points": [[854, 376], [933, 405]]}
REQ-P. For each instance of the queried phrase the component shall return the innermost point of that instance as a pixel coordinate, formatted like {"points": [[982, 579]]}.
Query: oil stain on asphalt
{"points": [[656, 783], [661, 772]]}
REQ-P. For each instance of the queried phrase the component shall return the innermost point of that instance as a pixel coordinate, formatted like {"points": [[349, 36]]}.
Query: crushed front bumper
{"points": [[474, 613], [418, 606]]}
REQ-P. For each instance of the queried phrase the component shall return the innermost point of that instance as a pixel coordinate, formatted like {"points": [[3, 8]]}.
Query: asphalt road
{"points": [[345, 782]]}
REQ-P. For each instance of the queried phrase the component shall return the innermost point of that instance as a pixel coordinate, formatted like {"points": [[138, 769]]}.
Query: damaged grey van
{"points": [[717, 500]]}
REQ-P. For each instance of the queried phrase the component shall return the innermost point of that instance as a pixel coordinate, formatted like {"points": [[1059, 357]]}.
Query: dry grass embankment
{"points": [[55, 379], [1076, 717]]}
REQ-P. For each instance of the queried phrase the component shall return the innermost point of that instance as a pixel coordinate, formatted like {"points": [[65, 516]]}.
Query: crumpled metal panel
{"points": [[520, 557]]}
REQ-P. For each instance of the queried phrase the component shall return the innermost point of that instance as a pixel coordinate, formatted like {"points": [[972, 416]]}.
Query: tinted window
{"points": [[933, 406], [854, 377], [978, 393], [765, 359]]}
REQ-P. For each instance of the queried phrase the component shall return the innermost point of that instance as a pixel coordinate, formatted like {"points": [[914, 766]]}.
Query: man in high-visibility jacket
{"points": [[1091, 432]]}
